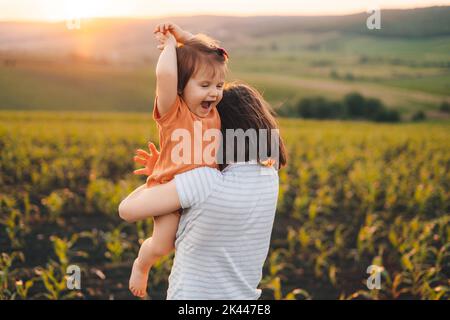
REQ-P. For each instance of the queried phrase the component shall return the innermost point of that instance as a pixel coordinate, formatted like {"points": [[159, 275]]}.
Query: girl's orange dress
{"points": [[180, 117]]}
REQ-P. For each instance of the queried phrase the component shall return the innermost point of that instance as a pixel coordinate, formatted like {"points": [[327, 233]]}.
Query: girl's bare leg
{"points": [[159, 244]]}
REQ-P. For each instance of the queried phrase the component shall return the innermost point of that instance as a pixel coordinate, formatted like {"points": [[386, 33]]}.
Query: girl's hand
{"points": [[180, 35], [165, 39], [146, 159]]}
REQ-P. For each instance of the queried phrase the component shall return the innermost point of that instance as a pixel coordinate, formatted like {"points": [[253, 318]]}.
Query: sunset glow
{"points": [[53, 10], [82, 9]]}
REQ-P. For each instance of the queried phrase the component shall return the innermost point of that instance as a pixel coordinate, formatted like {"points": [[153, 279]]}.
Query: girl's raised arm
{"points": [[166, 72], [168, 34]]}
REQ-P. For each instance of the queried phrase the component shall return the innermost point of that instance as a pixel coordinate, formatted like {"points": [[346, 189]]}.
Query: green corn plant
{"points": [[55, 282], [61, 247], [303, 238], [14, 226], [23, 288], [161, 270], [54, 204], [115, 244], [13, 222], [273, 281], [54, 275], [144, 229], [291, 241], [276, 287], [6, 261]]}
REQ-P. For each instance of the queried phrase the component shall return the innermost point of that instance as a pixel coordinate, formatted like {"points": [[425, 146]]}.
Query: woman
{"points": [[224, 232]]}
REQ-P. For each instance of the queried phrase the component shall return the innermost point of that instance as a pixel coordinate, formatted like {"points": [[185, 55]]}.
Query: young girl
{"points": [[225, 232], [189, 84]]}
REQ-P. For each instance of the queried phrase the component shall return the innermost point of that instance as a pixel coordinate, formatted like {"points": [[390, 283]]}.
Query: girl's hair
{"points": [[199, 52], [243, 107]]}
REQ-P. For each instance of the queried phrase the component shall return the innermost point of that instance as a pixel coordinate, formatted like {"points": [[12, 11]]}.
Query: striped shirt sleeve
{"points": [[195, 186]]}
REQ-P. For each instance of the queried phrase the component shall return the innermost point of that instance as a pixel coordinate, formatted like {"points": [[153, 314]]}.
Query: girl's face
{"points": [[203, 91]]}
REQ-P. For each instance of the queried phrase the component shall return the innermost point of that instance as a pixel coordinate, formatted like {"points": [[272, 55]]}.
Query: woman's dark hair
{"points": [[243, 107]]}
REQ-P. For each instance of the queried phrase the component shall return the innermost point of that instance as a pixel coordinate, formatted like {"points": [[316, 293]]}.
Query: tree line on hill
{"points": [[353, 106]]}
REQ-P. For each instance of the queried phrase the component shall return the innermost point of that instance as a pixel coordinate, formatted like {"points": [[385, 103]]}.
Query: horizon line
{"points": [[155, 17]]}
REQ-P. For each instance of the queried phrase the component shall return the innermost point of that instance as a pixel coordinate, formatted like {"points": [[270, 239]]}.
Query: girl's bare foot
{"points": [[138, 280]]}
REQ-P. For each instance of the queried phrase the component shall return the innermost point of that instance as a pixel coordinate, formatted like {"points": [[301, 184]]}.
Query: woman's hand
{"points": [[180, 35], [146, 159]]}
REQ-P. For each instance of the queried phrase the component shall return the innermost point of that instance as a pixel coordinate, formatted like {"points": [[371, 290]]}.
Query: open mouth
{"points": [[206, 104]]}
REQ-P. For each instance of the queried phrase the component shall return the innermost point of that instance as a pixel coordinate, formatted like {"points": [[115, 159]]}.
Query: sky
{"points": [[55, 10]]}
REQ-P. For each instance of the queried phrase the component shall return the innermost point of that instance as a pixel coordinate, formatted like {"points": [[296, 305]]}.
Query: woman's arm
{"points": [[146, 202]]}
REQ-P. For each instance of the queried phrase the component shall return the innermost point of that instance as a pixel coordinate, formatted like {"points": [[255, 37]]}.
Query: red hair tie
{"points": [[222, 52]]}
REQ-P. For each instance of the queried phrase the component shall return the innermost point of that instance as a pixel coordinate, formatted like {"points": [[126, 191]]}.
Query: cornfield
{"points": [[354, 194]]}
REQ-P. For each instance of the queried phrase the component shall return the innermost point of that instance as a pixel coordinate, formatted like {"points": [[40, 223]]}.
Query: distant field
{"points": [[406, 74], [332, 64], [76, 86]]}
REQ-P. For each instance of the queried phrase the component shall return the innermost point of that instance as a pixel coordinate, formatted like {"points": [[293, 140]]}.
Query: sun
{"points": [[79, 9]]}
